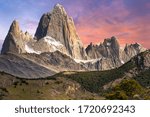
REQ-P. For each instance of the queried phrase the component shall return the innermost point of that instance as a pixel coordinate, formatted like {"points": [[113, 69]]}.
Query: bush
{"points": [[130, 87], [38, 91], [4, 89], [46, 83], [119, 95], [24, 82], [127, 89], [15, 83]]}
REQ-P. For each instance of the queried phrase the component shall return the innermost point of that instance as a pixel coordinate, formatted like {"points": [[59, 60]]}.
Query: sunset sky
{"points": [[95, 20]]}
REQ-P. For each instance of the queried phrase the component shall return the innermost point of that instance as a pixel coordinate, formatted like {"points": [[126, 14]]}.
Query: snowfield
{"points": [[52, 41]]}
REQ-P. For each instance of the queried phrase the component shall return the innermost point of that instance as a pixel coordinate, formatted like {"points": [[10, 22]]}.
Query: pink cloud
{"points": [[114, 20]]}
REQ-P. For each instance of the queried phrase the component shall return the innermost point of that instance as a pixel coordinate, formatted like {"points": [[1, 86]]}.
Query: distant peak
{"points": [[113, 38]]}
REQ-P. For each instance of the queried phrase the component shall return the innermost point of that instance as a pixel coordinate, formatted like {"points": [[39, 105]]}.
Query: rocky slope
{"points": [[55, 60], [19, 66]]}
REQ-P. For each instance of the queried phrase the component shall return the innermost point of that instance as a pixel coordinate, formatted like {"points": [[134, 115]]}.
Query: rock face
{"points": [[109, 54], [59, 26], [56, 61], [108, 49], [106, 54], [15, 40], [142, 60], [17, 65], [130, 51]]}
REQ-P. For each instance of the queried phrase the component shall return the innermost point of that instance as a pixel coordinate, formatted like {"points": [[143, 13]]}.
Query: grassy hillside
{"points": [[95, 80], [51, 88]]}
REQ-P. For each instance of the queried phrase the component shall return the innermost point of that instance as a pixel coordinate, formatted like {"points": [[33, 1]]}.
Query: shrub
{"points": [[130, 87], [119, 95], [4, 89], [127, 89], [46, 83]]}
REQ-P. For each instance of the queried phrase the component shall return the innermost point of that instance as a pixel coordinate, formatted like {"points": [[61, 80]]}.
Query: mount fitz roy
{"points": [[57, 47]]}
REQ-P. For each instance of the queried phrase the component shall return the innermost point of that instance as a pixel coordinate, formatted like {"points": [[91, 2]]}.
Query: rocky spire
{"points": [[9, 44], [58, 14], [58, 25], [14, 28], [15, 39]]}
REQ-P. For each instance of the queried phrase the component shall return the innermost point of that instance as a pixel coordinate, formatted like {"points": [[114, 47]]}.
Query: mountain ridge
{"points": [[56, 41]]}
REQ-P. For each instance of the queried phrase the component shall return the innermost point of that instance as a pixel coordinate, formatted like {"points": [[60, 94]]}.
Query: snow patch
{"points": [[52, 41], [56, 45], [58, 5], [87, 61], [31, 50]]}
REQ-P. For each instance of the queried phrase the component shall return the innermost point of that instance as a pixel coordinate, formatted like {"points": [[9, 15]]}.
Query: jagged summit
{"points": [[59, 8], [14, 28], [9, 44], [109, 48], [46, 22], [15, 39], [113, 42]]}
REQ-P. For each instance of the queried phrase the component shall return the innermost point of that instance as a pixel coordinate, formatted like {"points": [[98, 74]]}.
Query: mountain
{"points": [[56, 31], [110, 55], [108, 49], [15, 40], [59, 26], [56, 47]]}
